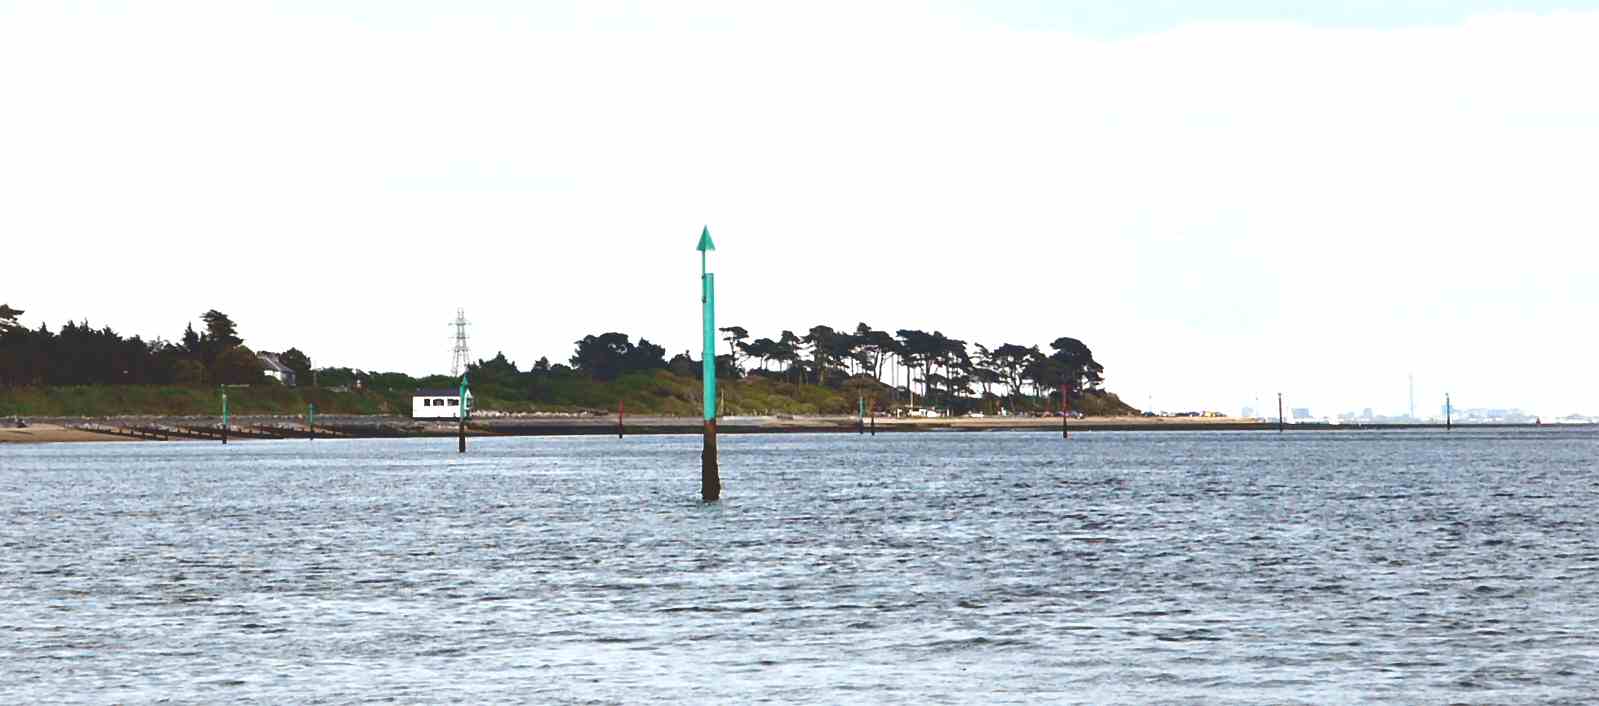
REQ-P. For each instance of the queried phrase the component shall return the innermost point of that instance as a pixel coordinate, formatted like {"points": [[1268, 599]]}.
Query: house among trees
{"points": [[272, 366], [438, 403]]}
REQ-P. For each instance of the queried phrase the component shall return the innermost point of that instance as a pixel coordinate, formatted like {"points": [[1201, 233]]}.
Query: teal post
{"points": [[710, 474], [310, 420], [224, 416], [861, 402], [709, 297]]}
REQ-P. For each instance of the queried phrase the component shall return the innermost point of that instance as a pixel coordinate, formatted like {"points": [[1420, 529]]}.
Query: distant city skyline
{"points": [[1223, 200]]}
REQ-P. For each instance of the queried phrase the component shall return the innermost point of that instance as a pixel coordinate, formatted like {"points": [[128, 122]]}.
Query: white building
{"points": [[438, 403], [275, 369]]}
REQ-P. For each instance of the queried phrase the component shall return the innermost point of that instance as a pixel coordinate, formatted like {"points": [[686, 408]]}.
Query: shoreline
{"points": [[252, 427], [43, 433]]}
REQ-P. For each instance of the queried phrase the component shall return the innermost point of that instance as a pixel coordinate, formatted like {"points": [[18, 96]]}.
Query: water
{"points": [[907, 568]]}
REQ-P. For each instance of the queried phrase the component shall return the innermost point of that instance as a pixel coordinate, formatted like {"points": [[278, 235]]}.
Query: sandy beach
{"points": [[46, 433]]}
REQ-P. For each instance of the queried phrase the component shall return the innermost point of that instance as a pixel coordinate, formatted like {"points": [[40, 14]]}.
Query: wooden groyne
{"points": [[129, 432], [168, 432], [235, 431]]}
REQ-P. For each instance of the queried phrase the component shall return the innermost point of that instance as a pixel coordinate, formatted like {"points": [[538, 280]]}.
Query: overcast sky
{"points": [[1222, 200]]}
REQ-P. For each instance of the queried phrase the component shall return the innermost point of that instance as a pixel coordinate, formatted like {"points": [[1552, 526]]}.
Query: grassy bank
{"points": [[654, 393], [113, 400], [657, 393]]}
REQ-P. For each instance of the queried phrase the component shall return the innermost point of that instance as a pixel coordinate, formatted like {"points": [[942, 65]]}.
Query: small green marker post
{"points": [[224, 416], [860, 401], [710, 474], [310, 421]]}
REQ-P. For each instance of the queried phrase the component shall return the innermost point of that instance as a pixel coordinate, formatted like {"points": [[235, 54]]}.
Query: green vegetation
{"points": [[114, 400], [84, 371], [80, 354], [659, 392]]}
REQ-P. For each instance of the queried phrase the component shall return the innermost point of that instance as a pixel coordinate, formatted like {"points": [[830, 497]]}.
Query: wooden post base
{"points": [[710, 475]]}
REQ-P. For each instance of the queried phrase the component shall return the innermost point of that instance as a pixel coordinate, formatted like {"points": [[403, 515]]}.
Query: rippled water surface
{"points": [[1323, 567]]}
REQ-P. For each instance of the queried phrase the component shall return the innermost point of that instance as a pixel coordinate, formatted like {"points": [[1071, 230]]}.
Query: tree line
{"points": [[82, 354], [905, 366], [948, 372]]}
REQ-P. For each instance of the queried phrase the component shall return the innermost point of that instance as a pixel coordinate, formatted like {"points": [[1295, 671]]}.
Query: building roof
{"points": [[270, 360], [439, 392]]}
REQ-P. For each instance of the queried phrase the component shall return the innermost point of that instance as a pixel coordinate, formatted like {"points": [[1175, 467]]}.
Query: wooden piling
{"points": [[621, 408], [873, 409], [1279, 413], [710, 475], [461, 411], [1065, 414]]}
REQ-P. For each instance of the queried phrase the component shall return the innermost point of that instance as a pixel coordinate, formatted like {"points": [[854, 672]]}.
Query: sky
{"points": [[1223, 200]]}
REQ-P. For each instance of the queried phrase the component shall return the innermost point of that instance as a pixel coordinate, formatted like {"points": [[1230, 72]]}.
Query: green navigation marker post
{"points": [[310, 421], [710, 476], [461, 415], [224, 416]]}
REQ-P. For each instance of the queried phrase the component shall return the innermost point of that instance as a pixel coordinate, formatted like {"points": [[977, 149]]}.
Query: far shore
{"points": [[249, 427]]}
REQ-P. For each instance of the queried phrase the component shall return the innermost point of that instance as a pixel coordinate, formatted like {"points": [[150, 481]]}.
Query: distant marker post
{"points": [[310, 421], [1449, 412], [460, 415], [1279, 413], [1065, 414], [710, 474], [224, 417]]}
